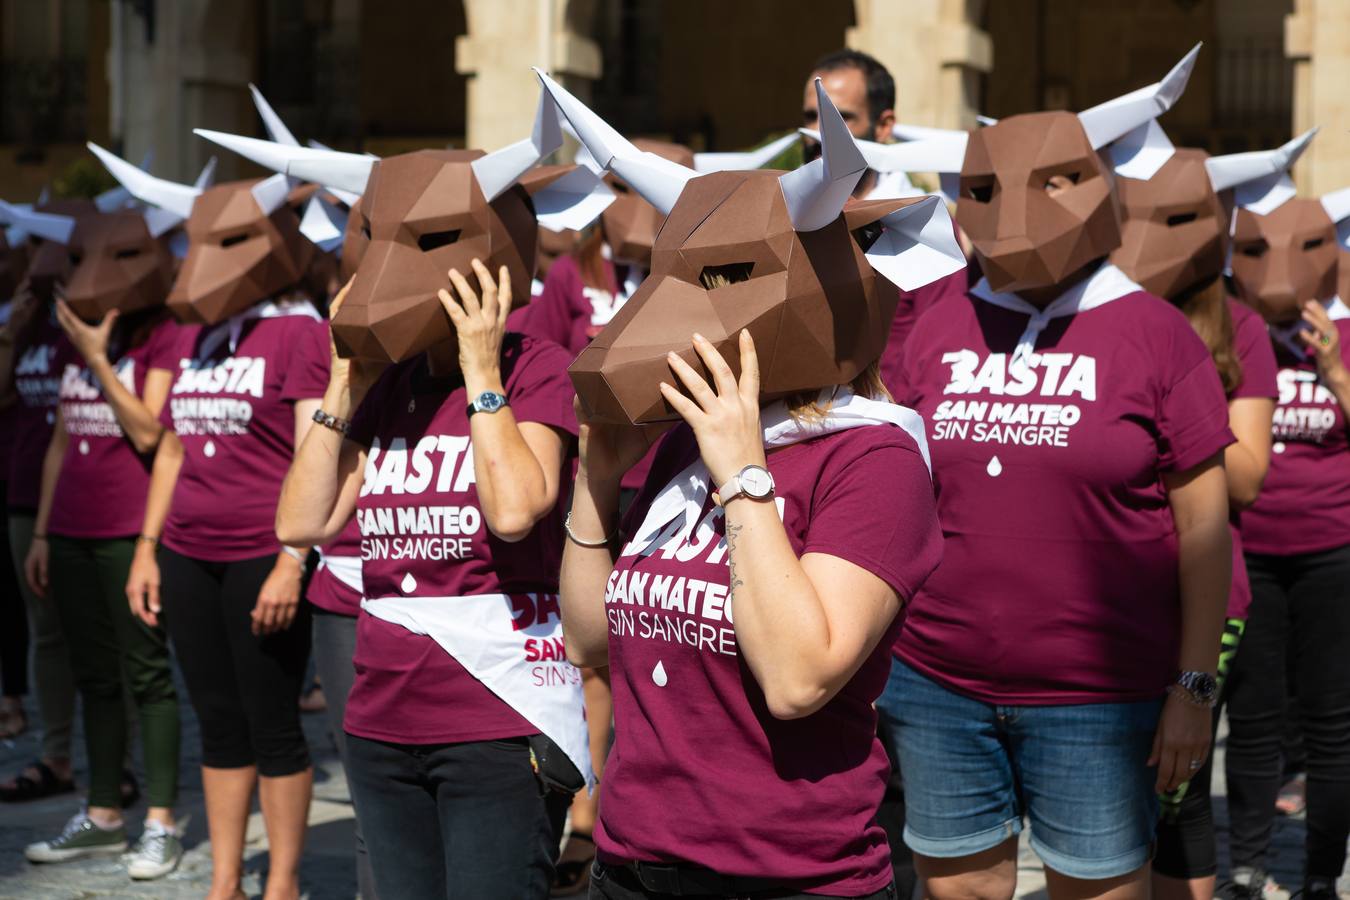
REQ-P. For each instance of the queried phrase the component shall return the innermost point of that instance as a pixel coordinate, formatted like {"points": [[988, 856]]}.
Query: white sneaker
{"points": [[80, 837], [157, 853]]}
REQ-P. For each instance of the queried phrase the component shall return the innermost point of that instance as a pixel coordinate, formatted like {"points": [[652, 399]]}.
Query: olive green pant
{"points": [[52, 680], [115, 655]]}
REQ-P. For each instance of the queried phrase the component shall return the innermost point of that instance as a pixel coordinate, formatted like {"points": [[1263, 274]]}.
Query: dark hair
{"points": [[880, 84]]}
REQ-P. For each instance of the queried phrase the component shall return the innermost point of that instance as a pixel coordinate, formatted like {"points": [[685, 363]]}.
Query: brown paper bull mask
{"points": [[1025, 236], [1178, 209], [1288, 256], [244, 239], [118, 265], [49, 227], [421, 214], [777, 253]]}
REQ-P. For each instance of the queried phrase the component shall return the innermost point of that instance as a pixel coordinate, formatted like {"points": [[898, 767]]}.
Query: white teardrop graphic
{"points": [[659, 674], [209, 449], [84, 448], [995, 468], [408, 584], [1278, 447]]}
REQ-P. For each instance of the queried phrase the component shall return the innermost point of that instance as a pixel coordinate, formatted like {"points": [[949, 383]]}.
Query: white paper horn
{"points": [[942, 151], [333, 169], [816, 192], [48, 226], [1233, 169], [167, 195], [276, 129], [658, 180], [750, 159], [1108, 121], [500, 169]]}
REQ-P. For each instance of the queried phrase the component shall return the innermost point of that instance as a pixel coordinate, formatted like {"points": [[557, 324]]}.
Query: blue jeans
{"points": [[973, 770]]}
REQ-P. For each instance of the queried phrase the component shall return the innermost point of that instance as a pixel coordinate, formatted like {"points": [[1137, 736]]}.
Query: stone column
{"points": [[1316, 35], [192, 73], [506, 38], [936, 51]]}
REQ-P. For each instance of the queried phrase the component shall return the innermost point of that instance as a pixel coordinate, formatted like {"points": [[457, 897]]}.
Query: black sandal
{"points": [[25, 788], [572, 877]]}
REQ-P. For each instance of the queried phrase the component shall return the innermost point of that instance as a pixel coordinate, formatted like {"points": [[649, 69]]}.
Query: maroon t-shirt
{"points": [[1251, 343], [423, 535], [103, 482], [326, 590], [1304, 505], [701, 773], [1059, 579], [39, 359], [235, 414], [912, 305], [570, 314]]}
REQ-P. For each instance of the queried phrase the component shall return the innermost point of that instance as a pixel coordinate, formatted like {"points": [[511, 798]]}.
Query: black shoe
{"points": [[1246, 884]]}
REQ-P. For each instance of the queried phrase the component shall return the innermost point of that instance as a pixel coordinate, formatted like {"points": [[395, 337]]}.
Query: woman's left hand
{"points": [[279, 597], [724, 417], [1322, 336], [90, 340], [479, 324], [1182, 738]]}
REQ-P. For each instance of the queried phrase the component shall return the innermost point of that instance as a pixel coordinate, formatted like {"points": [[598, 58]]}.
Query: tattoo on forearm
{"points": [[733, 532]]}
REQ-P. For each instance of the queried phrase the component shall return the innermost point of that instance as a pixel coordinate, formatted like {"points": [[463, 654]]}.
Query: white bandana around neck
{"points": [[1098, 289], [483, 635], [1288, 334], [233, 327], [687, 492]]}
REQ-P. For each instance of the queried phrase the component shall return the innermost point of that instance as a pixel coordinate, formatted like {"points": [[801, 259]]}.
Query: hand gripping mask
{"points": [[1025, 236], [785, 255], [1175, 234], [111, 260], [424, 213], [244, 239], [631, 223], [1286, 255]]}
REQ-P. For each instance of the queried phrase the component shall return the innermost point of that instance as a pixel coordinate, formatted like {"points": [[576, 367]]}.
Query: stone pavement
{"points": [[328, 872]]}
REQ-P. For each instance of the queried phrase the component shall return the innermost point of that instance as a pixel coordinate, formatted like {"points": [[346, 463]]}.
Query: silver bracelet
{"points": [[594, 545], [296, 555], [328, 420]]}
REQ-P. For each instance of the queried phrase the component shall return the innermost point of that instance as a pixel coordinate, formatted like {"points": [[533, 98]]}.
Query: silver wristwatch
{"points": [[1202, 688], [755, 482]]}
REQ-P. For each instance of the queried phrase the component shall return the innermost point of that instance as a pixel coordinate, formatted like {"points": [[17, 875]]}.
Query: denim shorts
{"points": [[973, 771]]}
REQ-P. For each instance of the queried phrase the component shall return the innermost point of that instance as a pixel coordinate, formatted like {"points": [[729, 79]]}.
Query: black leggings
{"points": [[13, 623], [1299, 621], [245, 689]]}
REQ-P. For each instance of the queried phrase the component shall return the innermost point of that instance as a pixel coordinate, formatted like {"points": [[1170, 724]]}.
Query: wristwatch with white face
{"points": [[754, 482], [488, 402]]}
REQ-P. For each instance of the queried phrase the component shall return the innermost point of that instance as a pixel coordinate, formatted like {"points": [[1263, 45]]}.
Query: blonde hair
{"points": [[1207, 310]]}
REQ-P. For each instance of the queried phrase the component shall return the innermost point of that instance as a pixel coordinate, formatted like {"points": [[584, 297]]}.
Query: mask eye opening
{"points": [[128, 253], [232, 239], [75, 259], [720, 276], [980, 193], [1255, 250], [365, 228], [434, 240], [1181, 219], [1313, 243]]}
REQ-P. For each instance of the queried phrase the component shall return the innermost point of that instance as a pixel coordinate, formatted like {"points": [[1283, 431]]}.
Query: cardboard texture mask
{"points": [[118, 265], [777, 253], [423, 213], [1284, 258], [631, 223], [1026, 234], [244, 239], [1175, 236], [49, 261], [237, 254], [1175, 233]]}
